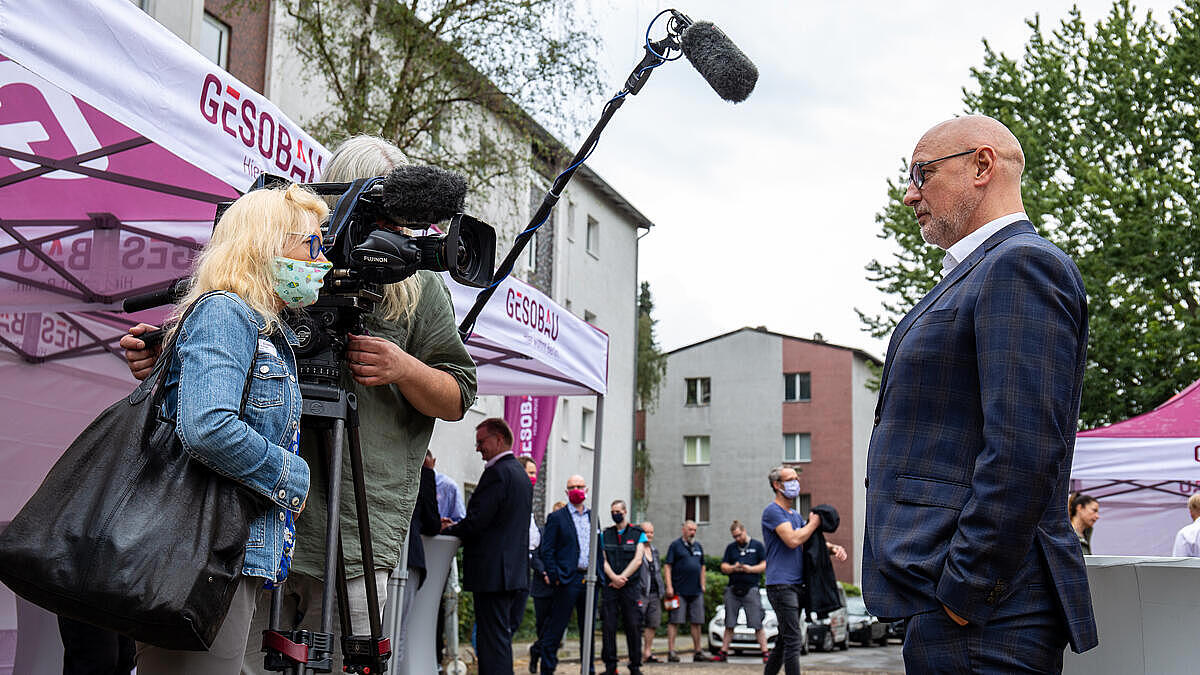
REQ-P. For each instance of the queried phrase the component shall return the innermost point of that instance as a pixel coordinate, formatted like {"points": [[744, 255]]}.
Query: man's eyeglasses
{"points": [[315, 248], [916, 172]]}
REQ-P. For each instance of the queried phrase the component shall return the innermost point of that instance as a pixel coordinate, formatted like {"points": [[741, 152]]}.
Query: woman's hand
{"points": [[140, 358]]}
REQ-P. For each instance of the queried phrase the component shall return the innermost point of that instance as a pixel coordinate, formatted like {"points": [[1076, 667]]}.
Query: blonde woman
{"points": [[265, 254], [410, 369]]}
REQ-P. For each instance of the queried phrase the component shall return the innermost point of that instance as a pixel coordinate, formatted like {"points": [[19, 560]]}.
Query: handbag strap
{"points": [[157, 378]]}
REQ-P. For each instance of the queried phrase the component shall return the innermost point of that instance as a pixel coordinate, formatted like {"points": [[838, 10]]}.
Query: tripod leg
{"points": [[364, 527], [343, 593]]}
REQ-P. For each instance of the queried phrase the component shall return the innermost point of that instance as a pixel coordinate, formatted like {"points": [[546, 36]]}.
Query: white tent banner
{"points": [[117, 58], [526, 343], [1117, 458]]}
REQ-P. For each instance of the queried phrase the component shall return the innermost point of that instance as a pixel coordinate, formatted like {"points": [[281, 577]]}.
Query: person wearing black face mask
{"points": [[624, 546]]}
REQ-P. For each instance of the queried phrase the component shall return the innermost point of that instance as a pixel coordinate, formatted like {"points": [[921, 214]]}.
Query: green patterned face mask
{"points": [[297, 282]]}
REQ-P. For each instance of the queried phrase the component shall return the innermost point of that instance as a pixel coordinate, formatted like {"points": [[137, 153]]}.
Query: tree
{"points": [[1109, 123], [436, 76], [651, 369], [651, 363]]}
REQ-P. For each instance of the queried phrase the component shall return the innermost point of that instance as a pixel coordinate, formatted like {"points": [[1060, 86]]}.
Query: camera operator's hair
{"points": [[363, 157], [249, 235]]}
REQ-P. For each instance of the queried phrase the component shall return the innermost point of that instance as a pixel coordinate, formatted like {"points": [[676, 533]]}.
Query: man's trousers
{"points": [[565, 599], [624, 604]]}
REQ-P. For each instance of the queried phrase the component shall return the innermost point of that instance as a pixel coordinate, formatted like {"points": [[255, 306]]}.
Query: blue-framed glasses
{"points": [[916, 173], [315, 244]]}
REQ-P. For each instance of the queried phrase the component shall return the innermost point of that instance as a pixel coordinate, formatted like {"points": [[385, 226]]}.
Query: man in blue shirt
{"points": [[449, 496], [745, 560], [684, 577], [785, 532]]}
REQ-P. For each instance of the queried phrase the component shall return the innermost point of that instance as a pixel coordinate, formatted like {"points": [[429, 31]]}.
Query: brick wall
{"points": [[828, 417]]}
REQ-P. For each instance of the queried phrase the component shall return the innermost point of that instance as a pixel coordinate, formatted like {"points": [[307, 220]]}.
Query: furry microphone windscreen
{"points": [[726, 69], [423, 194]]}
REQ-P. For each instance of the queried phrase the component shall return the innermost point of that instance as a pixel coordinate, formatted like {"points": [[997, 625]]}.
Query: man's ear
{"points": [[985, 165]]}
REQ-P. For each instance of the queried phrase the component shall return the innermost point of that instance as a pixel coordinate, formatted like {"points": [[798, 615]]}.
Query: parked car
{"points": [[743, 636], [830, 629], [864, 627], [896, 629]]}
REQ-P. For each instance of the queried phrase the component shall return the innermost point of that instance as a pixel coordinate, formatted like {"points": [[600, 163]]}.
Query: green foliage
{"points": [[850, 589], [651, 362], [421, 72], [1108, 118], [714, 592]]}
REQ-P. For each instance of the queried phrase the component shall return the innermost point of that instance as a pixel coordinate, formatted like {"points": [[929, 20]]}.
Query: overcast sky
{"points": [[764, 211]]}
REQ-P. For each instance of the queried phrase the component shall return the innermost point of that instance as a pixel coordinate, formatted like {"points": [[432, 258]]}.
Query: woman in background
{"points": [[1084, 511]]}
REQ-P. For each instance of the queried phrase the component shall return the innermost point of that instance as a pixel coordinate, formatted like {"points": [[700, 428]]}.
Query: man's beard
{"points": [[945, 231]]}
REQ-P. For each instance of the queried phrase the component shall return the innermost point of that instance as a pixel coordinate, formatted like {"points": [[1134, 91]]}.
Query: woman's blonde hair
{"points": [[363, 157], [247, 238]]}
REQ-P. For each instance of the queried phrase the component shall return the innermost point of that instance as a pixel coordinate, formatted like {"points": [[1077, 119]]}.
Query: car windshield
{"points": [[855, 605]]}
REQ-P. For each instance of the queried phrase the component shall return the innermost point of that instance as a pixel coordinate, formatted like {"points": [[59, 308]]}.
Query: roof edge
{"points": [[762, 329]]}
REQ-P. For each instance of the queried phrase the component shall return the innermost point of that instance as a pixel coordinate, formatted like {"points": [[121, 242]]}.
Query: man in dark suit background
{"points": [[966, 525], [495, 535], [565, 547]]}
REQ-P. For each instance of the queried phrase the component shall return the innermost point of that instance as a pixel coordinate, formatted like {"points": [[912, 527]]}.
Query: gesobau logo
{"points": [[530, 312], [238, 116]]}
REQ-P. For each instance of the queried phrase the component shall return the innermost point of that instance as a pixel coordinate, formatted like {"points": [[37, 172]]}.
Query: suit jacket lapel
{"points": [[955, 275]]}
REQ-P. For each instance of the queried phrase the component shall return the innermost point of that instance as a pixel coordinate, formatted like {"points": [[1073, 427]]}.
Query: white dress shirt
{"points": [[1187, 542], [964, 247]]}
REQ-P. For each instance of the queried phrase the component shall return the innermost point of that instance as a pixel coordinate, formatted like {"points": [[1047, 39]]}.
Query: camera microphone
{"points": [[726, 69], [422, 195]]}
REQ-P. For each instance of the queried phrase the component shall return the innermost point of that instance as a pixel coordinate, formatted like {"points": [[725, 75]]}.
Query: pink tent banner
{"points": [[530, 418]]}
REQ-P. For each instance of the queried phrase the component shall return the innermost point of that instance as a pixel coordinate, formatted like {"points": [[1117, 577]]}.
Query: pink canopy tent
{"points": [[1142, 470]]}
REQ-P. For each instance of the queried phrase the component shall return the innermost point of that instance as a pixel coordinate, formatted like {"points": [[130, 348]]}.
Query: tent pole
{"points": [[588, 629]]}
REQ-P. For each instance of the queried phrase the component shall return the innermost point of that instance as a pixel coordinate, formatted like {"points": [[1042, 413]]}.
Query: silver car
{"points": [[743, 635], [832, 629]]}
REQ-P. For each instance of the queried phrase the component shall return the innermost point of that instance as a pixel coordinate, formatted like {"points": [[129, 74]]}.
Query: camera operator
{"points": [[411, 369]]}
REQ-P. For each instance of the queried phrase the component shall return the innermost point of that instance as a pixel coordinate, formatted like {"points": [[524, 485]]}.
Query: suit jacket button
{"points": [[877, 418], [867, 482]]}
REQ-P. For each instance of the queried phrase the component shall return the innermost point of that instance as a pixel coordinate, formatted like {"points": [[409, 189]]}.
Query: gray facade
{"points": [[745, 419], [743, 423]]}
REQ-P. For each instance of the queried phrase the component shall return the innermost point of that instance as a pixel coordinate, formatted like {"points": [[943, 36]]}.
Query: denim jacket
{"points": [[204, 386]]}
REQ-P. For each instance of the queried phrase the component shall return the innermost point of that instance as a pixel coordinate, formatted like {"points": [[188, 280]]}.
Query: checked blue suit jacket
{"points": [[969, 463]]}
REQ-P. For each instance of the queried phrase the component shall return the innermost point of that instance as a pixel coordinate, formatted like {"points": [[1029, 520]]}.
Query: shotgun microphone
{"points": [[726, 69]]}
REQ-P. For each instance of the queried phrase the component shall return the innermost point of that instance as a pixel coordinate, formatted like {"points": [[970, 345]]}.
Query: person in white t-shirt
{"points": [[1187, 541]]}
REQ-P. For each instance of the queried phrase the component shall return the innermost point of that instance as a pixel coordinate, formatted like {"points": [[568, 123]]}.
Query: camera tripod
{"points": [[333, 413]]}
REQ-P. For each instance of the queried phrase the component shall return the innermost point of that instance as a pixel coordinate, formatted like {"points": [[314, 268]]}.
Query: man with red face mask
{"points": [[566, 545]]}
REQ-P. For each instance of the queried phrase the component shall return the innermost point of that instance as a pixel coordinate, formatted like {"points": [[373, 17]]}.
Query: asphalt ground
{"points": [[857, 660]]}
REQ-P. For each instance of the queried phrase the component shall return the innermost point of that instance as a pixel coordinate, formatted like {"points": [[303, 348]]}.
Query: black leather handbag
{"points": [[130, 533]]}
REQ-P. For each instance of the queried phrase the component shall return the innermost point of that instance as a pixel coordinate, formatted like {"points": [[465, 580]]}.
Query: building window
{"points": [[531, 255], [797, 447], [803, 505], [587, 428], [535, 202], [695, 450], [593, 236], [797, 387], [699, 390], [695, 507], [214, 40]]}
